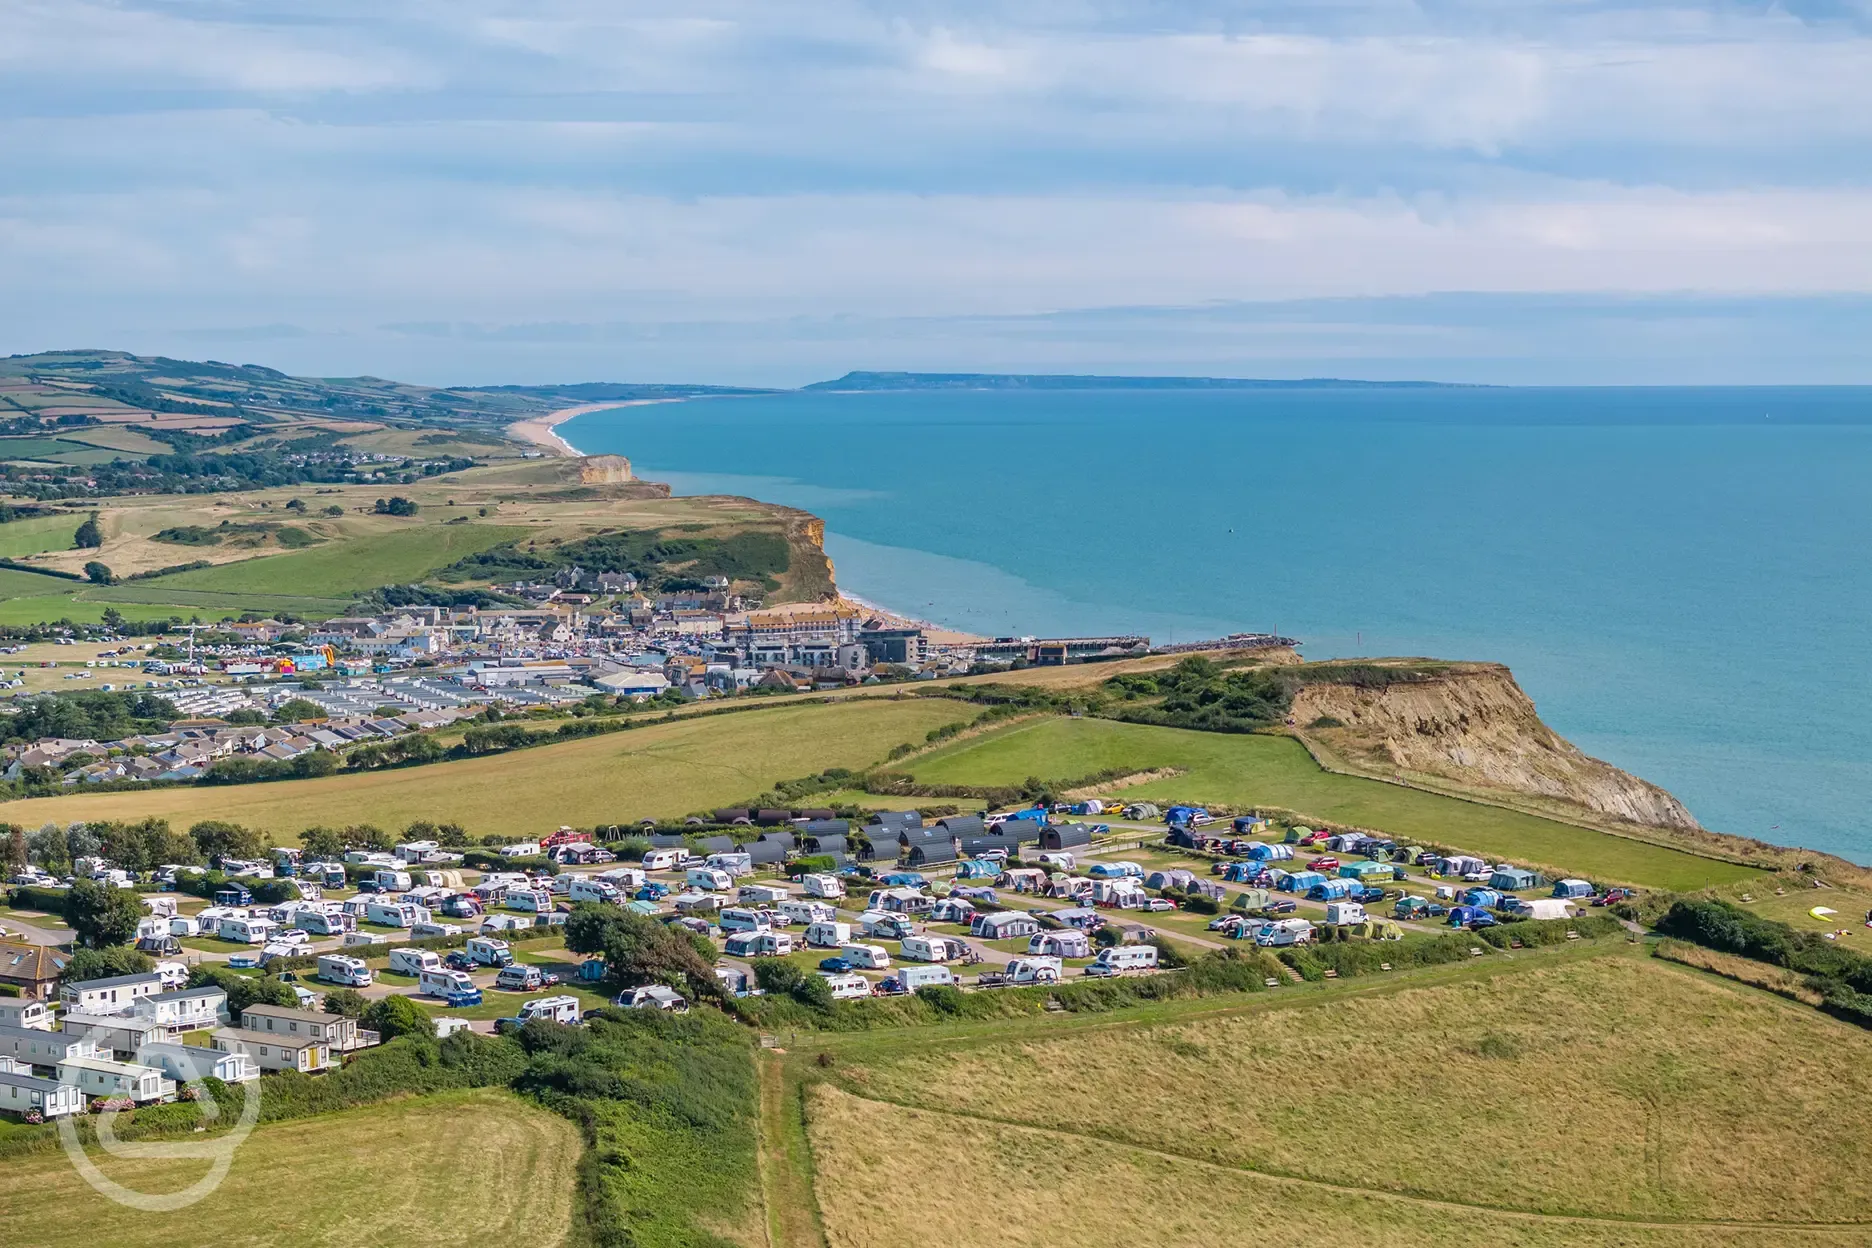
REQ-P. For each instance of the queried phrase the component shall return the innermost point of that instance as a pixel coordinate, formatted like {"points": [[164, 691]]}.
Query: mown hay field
{"points": [[660, 770], [1277, 771], [889, 1175], [1605, 1086], [378, 1175], [347, 567]]}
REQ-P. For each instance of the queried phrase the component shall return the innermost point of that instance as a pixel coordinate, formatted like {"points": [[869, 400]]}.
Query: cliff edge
{"points": [[1469, 728]]}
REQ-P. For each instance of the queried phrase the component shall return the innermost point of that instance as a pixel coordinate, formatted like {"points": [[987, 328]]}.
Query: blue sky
{"points": [[773, 191]]}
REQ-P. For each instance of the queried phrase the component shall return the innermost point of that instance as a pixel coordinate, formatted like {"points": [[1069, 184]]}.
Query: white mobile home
{"points": [[21, 1012], [186, 1063], [97, 1076], [113, 1033], [22, 1094], [187, 1009], [274, 1052], [109, 996], [43, 1048]]}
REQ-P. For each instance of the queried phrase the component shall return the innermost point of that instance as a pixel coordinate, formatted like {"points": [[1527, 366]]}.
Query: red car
{"points": [[1324, 864]]}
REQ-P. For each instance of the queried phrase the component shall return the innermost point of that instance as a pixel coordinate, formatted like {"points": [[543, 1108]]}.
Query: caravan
{"points": [[662, 859], [395, 913], [827, 886], [247, 931], [847, 987], [407, 961], [1121, 959], [828, 934], [529, 900], [865, 957], [714, 879], [320, 922], [808, 912], [453, 987], [931, 949], [335, 968], [741, 919], [585, 888]]}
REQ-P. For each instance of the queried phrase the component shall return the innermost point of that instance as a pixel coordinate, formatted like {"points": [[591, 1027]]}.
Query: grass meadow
{"points": [[1276, 771], [660, 770], [38, 534], [1611, 1086], [344, 568], [377, 1175]]}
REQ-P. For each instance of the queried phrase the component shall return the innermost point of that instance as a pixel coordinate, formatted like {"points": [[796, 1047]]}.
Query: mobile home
{"points": [[97, 1076], [187, 1063], [53, 1098], [112, 995]]}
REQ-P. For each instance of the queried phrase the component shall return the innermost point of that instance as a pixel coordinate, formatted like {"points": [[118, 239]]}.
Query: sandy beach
{"points": [[541, 431]]}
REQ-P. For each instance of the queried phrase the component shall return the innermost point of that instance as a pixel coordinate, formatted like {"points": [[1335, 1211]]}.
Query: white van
{"points": [[869, 957], [336, 968], [848, 987], [807, 912], [406, 961], [915, 977], [713, 879], [829, 886], [740, 919], [447, 985], [1123, 958], [585, 888], [828, 935], [395, 913], [775, 944], [662, 859]]}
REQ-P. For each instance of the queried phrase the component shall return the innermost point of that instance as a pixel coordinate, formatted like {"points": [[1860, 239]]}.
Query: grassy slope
{"points": [[38, 534], [1276, 771], [1601, 1086], [343, 568], [336, 1180], [660, 770]]}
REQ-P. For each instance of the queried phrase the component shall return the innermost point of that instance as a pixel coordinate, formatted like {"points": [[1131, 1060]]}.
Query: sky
{"points": [[776, 191]]}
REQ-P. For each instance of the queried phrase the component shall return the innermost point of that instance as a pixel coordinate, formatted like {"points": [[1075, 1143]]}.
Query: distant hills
{"points": [[1075, 381]]}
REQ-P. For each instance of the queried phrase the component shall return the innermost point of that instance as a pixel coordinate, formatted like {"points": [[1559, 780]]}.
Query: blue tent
{"points": [[1332, 890], [1467, 916], [1572, 888], [1481, 897], [1300, 881]]}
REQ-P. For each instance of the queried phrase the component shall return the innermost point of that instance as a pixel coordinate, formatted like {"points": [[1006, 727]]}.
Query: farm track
{"points": [[1609, 1221]]}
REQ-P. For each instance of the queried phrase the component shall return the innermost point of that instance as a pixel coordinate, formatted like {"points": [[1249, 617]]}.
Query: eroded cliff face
{"points": [[1471, 726], [604, 470]]}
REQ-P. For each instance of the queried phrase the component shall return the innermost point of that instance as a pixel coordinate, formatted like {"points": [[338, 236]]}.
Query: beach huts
{"points": [[1513, 879]]}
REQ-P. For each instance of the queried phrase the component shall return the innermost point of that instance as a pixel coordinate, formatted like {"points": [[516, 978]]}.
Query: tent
{"points": [[1300, 881], [1572, 888], [1512, 879]]}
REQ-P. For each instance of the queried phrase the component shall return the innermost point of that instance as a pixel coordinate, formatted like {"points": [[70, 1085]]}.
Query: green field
{"points": [[15, 585], [342, 569], [1581, 1097], [329, 1182], [661, 770], [1276, 771], [37, 534], [45, 608]]}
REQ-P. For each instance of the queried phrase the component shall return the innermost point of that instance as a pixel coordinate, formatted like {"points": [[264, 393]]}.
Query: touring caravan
{"points": [[662, 859], [406, 961], [808, 912], [848, 987], [827, 886], [1123, 958], [247, 931], [395, 913], [585, 888], [828, 935], [741, 919], [866, 957]]}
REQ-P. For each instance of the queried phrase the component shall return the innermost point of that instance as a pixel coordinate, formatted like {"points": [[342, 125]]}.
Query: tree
{"points": [[242, 990], [314, 763], [145, 845], [639, 950], [46, 847], [367, 836], [334, 510], [99, 574], [113, 619], [452, 834], [216, 838], [346, 1001], [297, 710], [322, 842], [398, 506], [106, 962], [16, 855], [295, 504], [89, 536], [397, 1015], [102, 914]]}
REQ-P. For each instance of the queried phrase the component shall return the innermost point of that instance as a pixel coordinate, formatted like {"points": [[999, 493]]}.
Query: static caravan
{"points": [[336, 968], [111, 995], [43, 1048], [187, 1063], [183, 1009], [828, 934], [97, 1076], [21, 1094], [21, 1012]]}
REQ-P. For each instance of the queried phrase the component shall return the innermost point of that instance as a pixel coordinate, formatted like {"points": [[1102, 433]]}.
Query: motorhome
{"points": [[520, 977], [847, 987], [1341, 913], [406, 961], [828, 934], [741, 919], [336, 968], [1123, 958], [866, 957], [880, 923], [486, 951], [395, 913], [1284, 932], [554, 1009], [827, 886], [453, 987]]}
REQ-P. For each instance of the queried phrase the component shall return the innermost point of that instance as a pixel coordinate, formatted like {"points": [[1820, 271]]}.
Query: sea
{"points": [[1680, 578]]}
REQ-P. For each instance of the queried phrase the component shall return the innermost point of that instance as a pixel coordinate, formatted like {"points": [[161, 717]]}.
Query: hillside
{"points": [[1471, 727]]}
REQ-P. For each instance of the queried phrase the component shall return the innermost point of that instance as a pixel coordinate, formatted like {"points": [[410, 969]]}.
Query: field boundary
{"points": [[1380, 1194]]}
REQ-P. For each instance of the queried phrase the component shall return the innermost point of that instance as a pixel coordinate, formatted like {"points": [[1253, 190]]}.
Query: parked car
{"points": [[1157, 905], [1323, 864], [1283, 905], [835, 966], [458, 961]]}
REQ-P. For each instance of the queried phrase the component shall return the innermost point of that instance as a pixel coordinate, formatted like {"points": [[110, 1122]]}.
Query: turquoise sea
{"points": [[1679, 577]]}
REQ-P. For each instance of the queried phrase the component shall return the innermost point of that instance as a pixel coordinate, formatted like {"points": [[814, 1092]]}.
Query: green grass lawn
{"points": [[664, 769], [1277, 771], [15, 584], [37, 535], [343, 568]]}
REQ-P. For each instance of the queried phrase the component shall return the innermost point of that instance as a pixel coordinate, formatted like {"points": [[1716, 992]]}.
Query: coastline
{"points": [[542, 431]]}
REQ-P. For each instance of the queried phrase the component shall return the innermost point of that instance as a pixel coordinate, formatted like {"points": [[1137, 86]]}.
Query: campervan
{"points": [[828, 886], [520, 977], [486, 951], [554, 1009], [866, 957], [406, 961], [1284, 932], [453, 987], [1123, 958], [848, 987], [586, 888], [882, 923], [1341, 913], [336, 968], [828, 934]]}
